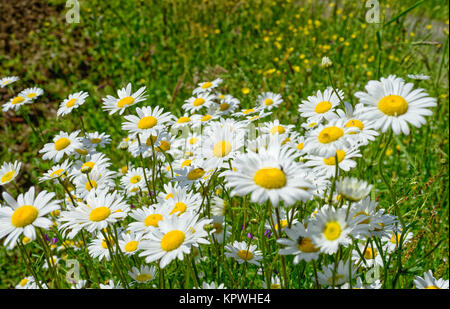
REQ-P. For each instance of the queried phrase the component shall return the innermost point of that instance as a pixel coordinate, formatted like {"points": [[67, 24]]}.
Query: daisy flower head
{"points": [[5, 81], [298, 244], [220, 231], [173, 238], [129, 242], [73, 101], [23, 215], [99, 248], [327, 166], [95, 162], [367, 256], [355, 117], [148, 218], [31, 93], [341, 276], [94, 139], [243, 252], [273, 284], [134, 179], [9, 171], [271, 174], [325, 140], [227, 106], [183, 201], [144, 274], [395, 239], [212, 286], [58, 170], [269, 100], [110, 285], [148, 120], [196, 103], [15, 103], [101, 210], [430, 282], [221, 145], [182, 123], [194, 174], [27, 283], [392, 103], [330, 229], [353, 189], [125, 99], [321, 106], [275, 127], [63, 144], [93, 181], [207, 86]]}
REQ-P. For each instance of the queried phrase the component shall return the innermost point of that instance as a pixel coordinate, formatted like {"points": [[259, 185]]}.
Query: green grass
{"points": [[276, 46]]}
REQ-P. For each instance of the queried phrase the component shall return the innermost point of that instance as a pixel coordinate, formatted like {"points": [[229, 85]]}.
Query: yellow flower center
{"points": [[56, 173], [275, 286], [152, 220], [62, 143], [268, 102], [124, 169], [206, 85], [224, 106], [91, 184], [147, 122], [221, 149], [270, 178], [151, 140], [7, 176], [354, 123], [300, 146], [305, 245], [332, 230], [248, 111], [393, 105], [82, 152], [337, 278], [206, 118], [323, 107], [18, 100], [163, 147], [135, 179], [432, 287], [99, 214], [193, 140], [196, 173], [330, 134], [332, 160], [172, 240], [284, 223], [23, 282], [31, 95], [71, 103], [198, 102], [170, 195], [24, 216], [88, 164], [186, 163], [125, 101], [131, 246], [183, 119], [370, 254], [179, 207], [395, 238], [277, 129], [245, 255], [95, 140], [219, 227], [105, 244], [143, 277]]}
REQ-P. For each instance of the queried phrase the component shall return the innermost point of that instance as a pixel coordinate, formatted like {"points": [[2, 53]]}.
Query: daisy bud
{"points": [[123, 146], [326, 62], [254, 221], [208, 227], [86, 169]]}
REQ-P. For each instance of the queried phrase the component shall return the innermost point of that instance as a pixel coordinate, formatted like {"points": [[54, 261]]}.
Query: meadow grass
{"points": [[170, 46]]}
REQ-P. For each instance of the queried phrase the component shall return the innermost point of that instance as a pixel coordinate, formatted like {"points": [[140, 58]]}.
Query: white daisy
{"points": [[321, 106], [269, 100], [143, 274], [207, 86], [31, 93], [126, 99], [9, 171], [173, 238], [63, 144], [342, 275], [243, 252], [430, 282], [21, 216], [298, 244], [195, 103], [5, 81], [327, 166], [148, 120], [148, 218], [15, 103], [392, 103], [73, 101], [94, 139]]}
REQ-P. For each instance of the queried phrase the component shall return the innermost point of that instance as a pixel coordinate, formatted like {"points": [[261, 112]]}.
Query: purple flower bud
{"points": [[250, 235], [46, 237], [54, 240], [267, 233]]}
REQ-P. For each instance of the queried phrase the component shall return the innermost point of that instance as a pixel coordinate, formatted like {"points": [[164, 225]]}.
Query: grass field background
{"points": [[170, 46]]}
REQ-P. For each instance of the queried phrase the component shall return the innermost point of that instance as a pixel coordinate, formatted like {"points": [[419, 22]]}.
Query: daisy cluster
{"points": [[218, 178]]}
